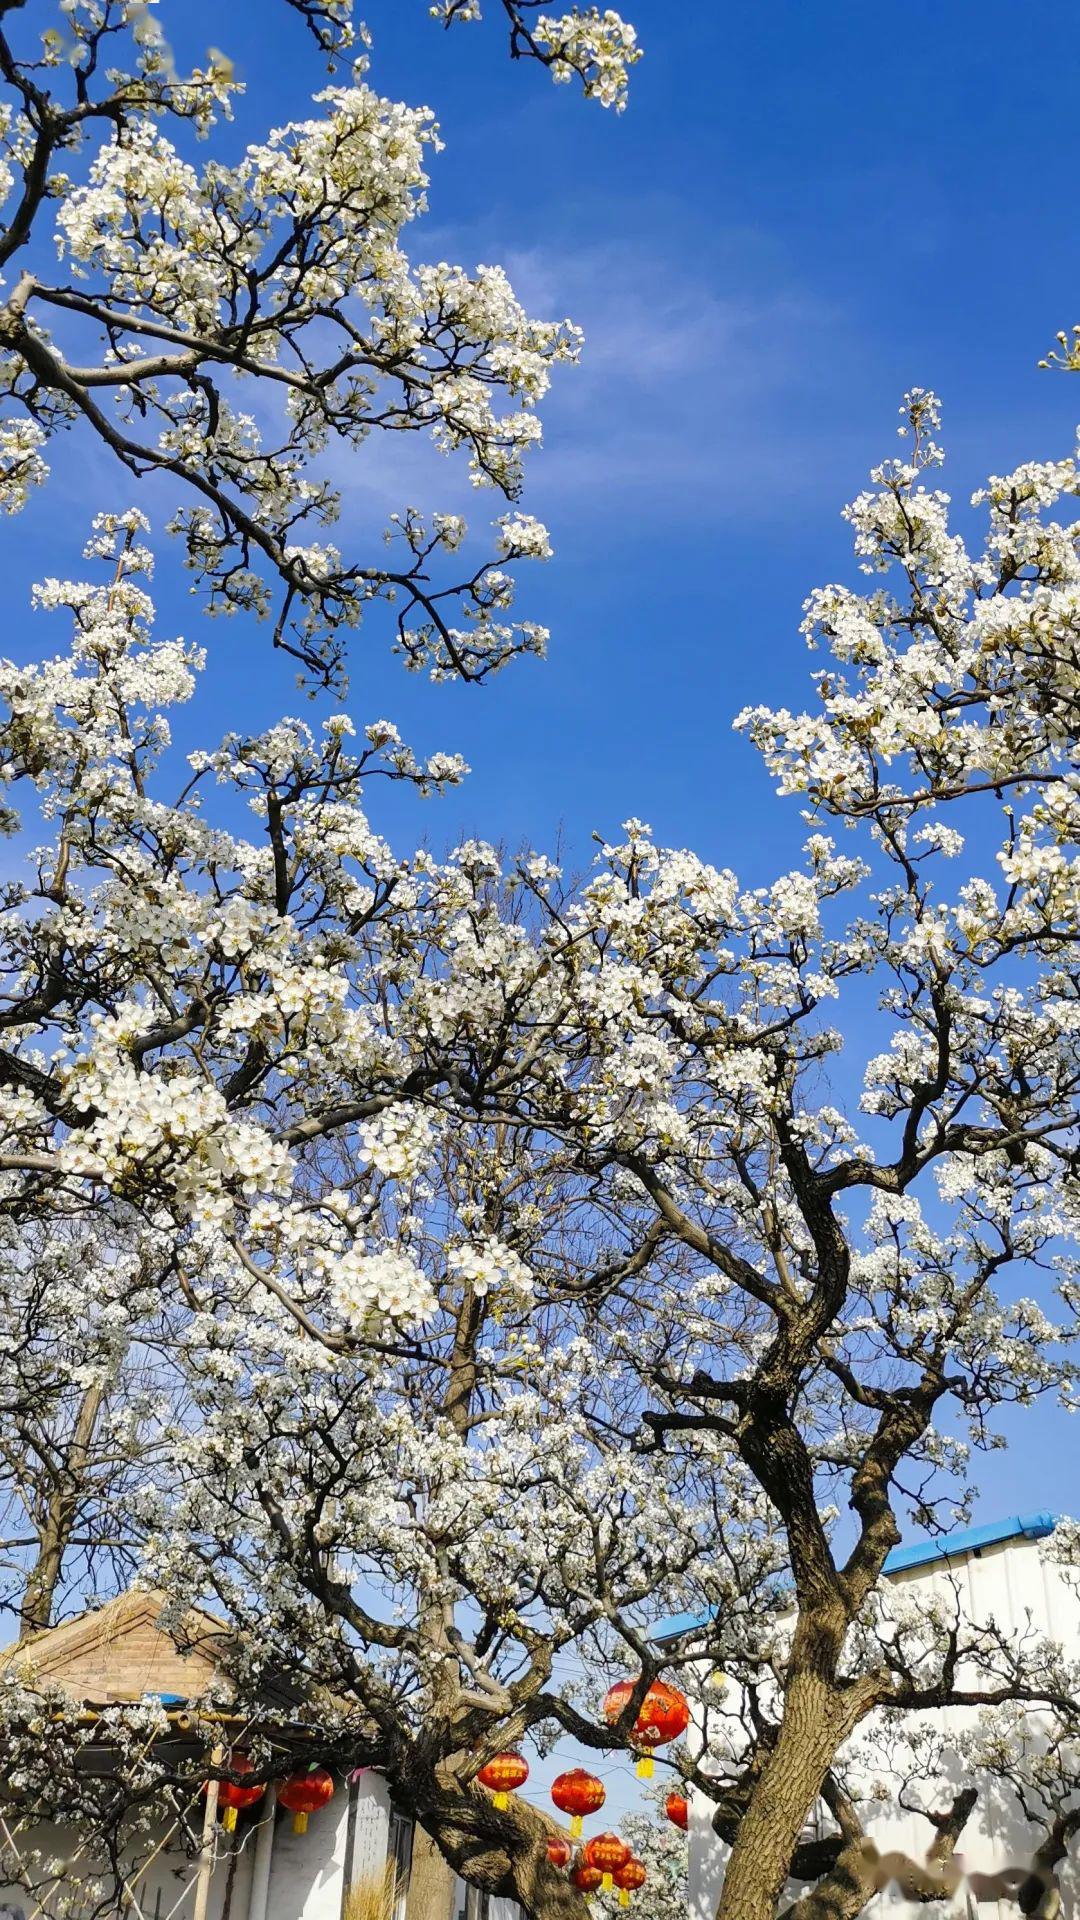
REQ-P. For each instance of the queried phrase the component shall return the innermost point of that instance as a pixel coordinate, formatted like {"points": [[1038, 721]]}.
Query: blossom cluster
{"points": [[261, 313]]}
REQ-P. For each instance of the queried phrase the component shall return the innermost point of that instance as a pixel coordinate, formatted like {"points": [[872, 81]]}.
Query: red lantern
{"points": [[578, 1793], [559, 1852], [677, 1808], [629, 1878], [304, 1793], [663, 1715], [586, 1879], [607, 1852], [232, 1799], [503, 1775]]}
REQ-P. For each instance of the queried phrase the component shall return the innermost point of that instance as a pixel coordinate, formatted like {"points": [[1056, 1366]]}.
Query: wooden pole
{"points": [[209, 1841]]}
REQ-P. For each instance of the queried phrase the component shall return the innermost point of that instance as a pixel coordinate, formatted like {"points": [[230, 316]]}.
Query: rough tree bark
{"points": [[815, 1721], [66, 1478], [510, 1859]]}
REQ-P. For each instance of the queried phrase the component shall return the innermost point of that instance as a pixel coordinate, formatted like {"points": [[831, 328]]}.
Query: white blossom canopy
{"points": [[229, 326], [530, 1267]]}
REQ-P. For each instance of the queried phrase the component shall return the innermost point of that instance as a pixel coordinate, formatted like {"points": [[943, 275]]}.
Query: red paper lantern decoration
{"points": [[663, 1715], [559, 1852], [586, 1879], [578, 1793], [629, 1878], [503, 1775], [232, 1798], [615, 1700], [608, 1853], [304, 1793], [677, 1808]]}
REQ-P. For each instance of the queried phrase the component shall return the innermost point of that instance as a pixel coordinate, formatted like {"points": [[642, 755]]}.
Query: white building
{"points": [[268, 1872], [996, 1572], [264, 1871]]}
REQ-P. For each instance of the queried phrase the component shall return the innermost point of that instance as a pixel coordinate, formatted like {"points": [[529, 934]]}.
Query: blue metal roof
{"points": [[679, 1624], [921, 1553], [1029, 1526]]}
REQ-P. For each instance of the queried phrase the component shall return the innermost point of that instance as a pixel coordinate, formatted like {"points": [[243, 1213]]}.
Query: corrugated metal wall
{"points": [[1014, 1585]]}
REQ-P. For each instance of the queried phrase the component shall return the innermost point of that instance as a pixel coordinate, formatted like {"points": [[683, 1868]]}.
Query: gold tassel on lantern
{"points": [[304, 1793], [503, 1775], [629, 1879]]}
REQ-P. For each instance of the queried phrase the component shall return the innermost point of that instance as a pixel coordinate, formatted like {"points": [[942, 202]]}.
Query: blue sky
{"points": [[805, 210]]}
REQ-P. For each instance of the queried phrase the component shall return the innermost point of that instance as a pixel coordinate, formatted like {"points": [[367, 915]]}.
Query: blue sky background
{"points": [[805, 210]]}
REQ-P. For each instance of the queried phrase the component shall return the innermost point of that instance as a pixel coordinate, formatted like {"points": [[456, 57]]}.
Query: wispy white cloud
{"points": [[704, 388], [648, 317], [705, 392]]}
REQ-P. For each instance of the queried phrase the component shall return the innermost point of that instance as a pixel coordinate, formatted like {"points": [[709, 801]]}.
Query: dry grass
{"points": [[374, 1897]]}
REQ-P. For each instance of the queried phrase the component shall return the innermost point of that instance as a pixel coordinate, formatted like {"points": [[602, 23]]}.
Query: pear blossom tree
{"points": [[876, 1260], [359, 1366], [887, 1327], [184, 284], [538, 1266], [222, 327], [463, 1267]]}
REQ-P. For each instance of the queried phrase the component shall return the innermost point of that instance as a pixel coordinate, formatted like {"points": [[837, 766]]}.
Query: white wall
{"points": [[371, 1826], [155, 1893], [307, 1874], [1012, 1584], [307, 1871]]}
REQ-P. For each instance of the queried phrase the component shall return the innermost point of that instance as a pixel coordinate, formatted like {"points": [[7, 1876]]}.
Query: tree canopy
{"points": [[446, 1266]]}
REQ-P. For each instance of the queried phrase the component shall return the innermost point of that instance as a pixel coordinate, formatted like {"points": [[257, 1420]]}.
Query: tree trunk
{"points": [[814, 1723], [61, 1509], [503, 1852], [431, 1881]]}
